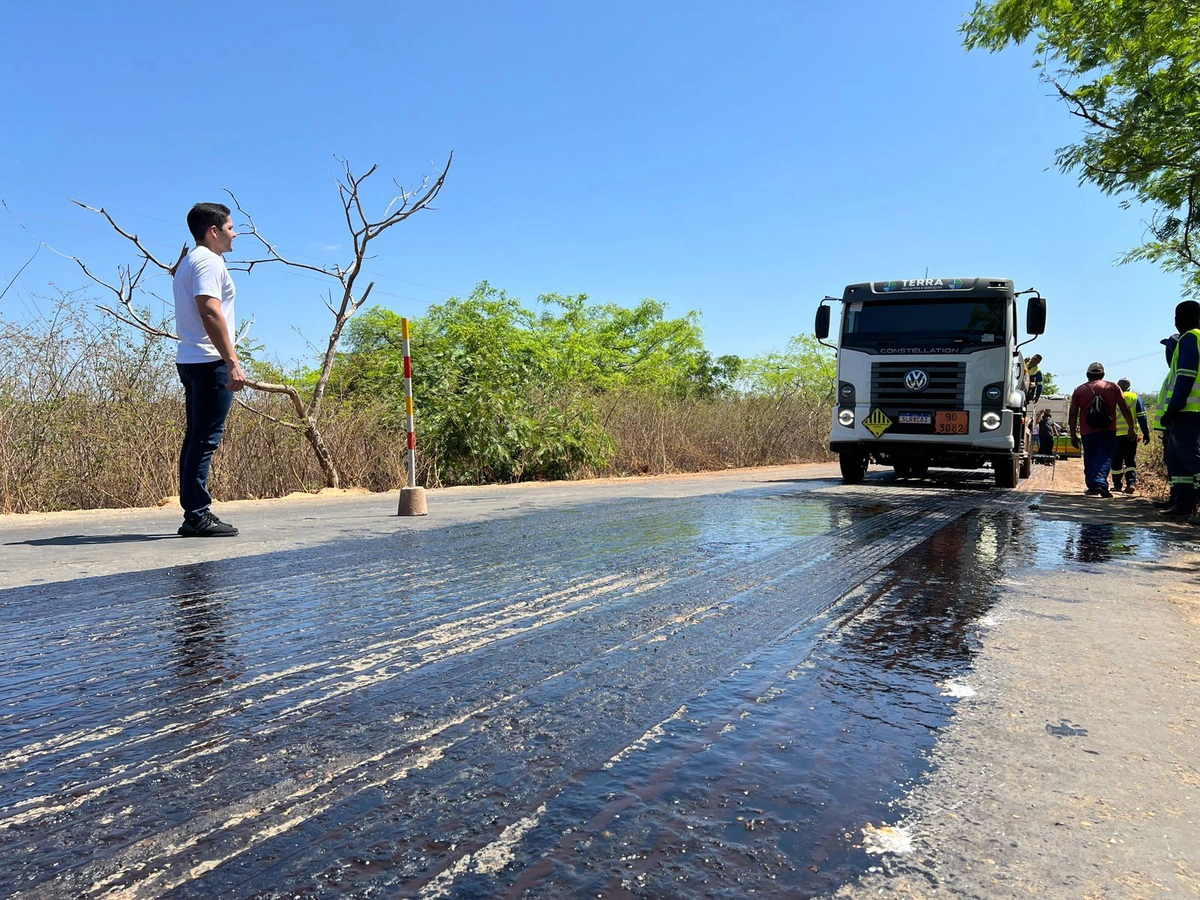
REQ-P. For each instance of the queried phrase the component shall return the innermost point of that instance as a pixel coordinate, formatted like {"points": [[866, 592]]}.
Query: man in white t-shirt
{"points": [[207, 361]]}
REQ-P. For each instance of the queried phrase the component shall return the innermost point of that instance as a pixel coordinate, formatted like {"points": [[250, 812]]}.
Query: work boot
{"points": [[1169, 502], [1130, 489], [1185, 503]]}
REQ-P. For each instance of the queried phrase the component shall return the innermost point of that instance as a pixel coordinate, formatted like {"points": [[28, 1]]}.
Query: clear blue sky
{"points": [[742, 159]]}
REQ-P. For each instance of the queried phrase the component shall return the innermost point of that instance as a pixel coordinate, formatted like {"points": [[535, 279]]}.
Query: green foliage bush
{"points": [[506, 393]]}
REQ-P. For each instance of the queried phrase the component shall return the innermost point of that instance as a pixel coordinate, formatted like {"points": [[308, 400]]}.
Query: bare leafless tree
{"points": [[363, 230]]}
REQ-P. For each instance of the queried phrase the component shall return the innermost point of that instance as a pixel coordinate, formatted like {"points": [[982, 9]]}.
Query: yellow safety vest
{"points": [[1122, 425], [1193, 400], [1164, 400]]}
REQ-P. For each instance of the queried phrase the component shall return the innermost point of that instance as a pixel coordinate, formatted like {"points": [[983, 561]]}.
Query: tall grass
{"points": [[91, 416]]}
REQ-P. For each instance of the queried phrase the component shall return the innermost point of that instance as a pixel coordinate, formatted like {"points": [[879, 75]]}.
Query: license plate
{"points": [[951, 421], [909, 418]]}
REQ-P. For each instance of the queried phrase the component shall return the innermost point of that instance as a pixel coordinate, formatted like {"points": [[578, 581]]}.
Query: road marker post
{"points": [[412, 498]]}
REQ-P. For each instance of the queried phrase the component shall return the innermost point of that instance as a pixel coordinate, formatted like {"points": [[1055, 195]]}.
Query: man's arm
{"points": [[1073, 423], [1143, 421], [218, 332], [1185, 377]]}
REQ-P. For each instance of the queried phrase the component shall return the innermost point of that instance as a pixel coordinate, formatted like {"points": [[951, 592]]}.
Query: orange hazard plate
{"points": [[951, 421]]}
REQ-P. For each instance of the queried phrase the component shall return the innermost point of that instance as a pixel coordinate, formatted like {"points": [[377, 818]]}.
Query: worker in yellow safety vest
{"points": [[1182, 415], [1124, 465], [1034, 377], [1164, 433]]}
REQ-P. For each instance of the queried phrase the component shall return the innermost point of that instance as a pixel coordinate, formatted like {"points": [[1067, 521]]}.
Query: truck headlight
{"points": [[846, 417], [990, 421]]}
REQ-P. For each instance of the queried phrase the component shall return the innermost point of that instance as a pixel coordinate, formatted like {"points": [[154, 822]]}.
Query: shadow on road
{"points": [[74, 540], [1119, 510]]}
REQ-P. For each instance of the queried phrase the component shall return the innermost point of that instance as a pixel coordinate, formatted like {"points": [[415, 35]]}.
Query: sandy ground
{"points": [[1074, 769]]}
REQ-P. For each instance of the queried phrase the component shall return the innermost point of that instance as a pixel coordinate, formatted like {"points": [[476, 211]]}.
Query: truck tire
{"points": [[1026, 465], [854, 467], [1008, 471]]}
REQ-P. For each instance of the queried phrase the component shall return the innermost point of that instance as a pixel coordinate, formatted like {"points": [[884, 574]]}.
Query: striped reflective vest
{"points": [[1193, 400], [1122, 426], [1164, 400]]}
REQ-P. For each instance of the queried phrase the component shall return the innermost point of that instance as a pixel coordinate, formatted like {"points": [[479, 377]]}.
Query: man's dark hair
{"points": [[204, 216], [1188, 313]]}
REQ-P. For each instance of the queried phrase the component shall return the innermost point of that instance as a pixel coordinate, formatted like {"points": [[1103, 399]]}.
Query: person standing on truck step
{"points": [[1124, 464], [1034, 377], [1181, 418], [207, 361], [1094, 408]]}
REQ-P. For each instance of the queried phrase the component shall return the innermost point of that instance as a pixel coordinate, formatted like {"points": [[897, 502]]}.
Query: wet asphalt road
{"points": [[700, 696]]}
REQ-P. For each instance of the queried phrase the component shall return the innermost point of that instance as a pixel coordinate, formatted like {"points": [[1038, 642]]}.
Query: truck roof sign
{"points": [[930, 289], [924, 284]]}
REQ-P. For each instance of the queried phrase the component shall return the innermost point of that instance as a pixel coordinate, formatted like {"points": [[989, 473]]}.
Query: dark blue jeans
{"points": [[207, 401], [1098, 450]]}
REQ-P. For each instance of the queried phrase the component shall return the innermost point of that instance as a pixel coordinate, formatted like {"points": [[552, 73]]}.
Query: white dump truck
{"points": [[930, 373]]}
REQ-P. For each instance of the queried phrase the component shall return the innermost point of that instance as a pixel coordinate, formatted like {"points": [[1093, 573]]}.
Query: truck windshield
{"points": [[956, 323]]}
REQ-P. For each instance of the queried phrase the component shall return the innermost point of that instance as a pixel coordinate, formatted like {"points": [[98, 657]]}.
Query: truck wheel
{"points": [[1008, 470], [919, 470], [903, 470], [1026, 465], [854, 467]]}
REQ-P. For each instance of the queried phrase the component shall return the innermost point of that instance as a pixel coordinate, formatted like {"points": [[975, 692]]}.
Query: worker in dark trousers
{"points": [[1124, 466], [1164, 433], [1182, 415]]}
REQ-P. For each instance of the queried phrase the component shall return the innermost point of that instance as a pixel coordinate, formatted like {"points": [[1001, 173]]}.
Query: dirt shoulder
{"points": [[1074, 769]]}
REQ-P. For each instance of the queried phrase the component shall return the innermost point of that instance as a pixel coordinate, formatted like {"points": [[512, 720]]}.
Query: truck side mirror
{"points": [[821, 328], [1035, 316]]}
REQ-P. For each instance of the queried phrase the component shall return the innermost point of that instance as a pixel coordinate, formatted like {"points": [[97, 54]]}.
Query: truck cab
{"points": [[930, 373]]}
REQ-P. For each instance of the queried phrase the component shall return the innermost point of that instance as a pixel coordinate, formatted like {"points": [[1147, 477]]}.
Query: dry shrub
{"points": [[91, 416], [1152, 472], [655, 435], [259, 458], [77, 454]]}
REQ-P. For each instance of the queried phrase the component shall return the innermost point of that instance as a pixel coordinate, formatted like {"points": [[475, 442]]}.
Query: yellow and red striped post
{"points": [[412, 498]]}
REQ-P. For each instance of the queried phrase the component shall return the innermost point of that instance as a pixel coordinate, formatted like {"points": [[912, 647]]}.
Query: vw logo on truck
{"points": [[916, 381]]}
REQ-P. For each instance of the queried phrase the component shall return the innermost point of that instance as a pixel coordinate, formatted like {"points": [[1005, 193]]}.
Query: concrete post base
{"points": [[412, 502]]}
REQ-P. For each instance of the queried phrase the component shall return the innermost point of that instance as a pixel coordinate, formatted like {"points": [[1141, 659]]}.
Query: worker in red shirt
{"points": [[1094, 408]]}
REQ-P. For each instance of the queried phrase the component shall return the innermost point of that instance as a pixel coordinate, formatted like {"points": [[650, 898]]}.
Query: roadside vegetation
{"points": [[91, 415]]}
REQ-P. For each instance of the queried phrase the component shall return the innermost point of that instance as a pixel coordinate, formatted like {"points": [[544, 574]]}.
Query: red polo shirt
{"points": [[1081, 399]]}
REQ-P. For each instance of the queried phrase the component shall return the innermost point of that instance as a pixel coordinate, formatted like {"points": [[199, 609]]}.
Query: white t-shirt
{"points": [[202, 273]]}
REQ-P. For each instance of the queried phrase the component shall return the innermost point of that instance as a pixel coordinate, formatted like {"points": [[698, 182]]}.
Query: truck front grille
{"points": [[944, 390]]}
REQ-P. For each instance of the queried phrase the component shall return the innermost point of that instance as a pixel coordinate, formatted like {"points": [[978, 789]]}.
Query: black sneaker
{"points": [[1091, 492], [1105, 493], [207, 525]]}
